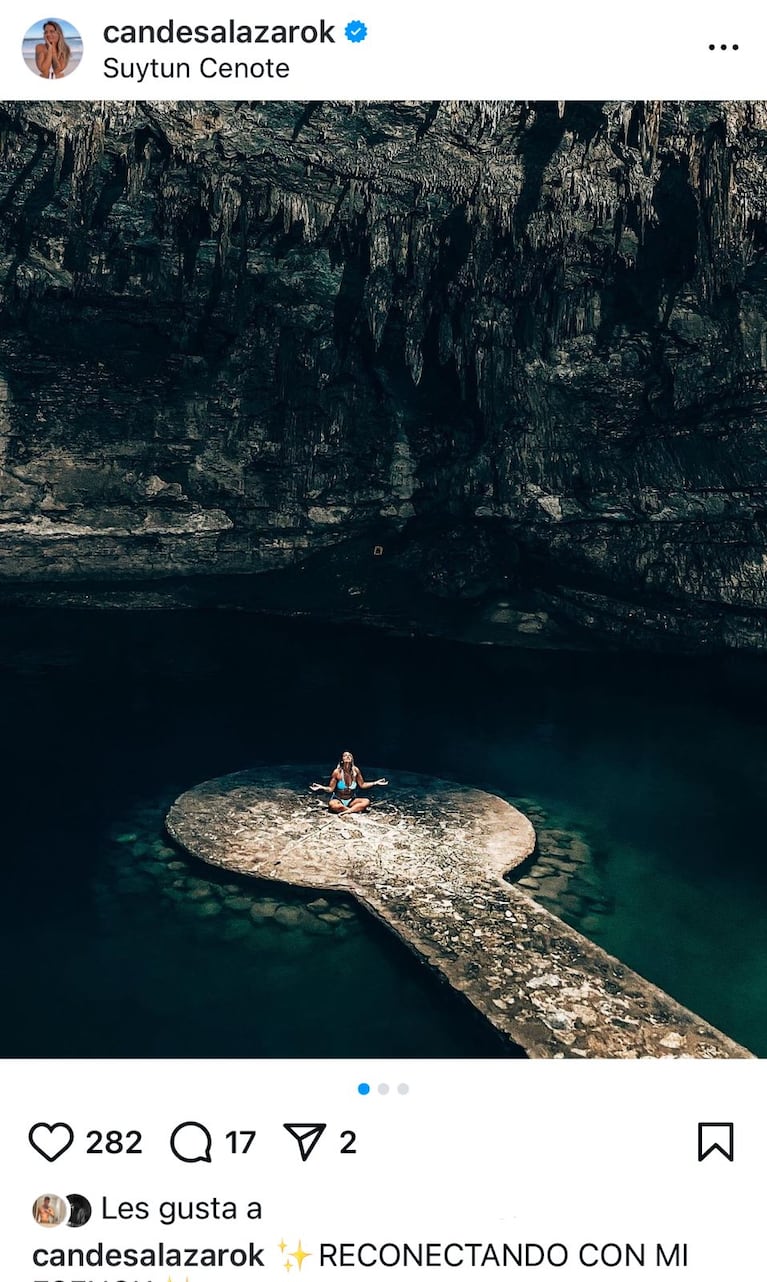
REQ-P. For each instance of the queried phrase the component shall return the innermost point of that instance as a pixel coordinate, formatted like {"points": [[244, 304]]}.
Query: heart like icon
{"points": [[51, 1141]]}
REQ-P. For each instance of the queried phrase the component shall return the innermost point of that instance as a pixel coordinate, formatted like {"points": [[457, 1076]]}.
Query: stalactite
{"points": [[581, 296]]}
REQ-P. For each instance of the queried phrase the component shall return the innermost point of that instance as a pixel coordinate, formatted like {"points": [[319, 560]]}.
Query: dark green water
{"points": [[645, 778]]}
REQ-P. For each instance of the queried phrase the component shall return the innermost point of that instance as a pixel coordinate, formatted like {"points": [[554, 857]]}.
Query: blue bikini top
{"points": [[341, 785]]}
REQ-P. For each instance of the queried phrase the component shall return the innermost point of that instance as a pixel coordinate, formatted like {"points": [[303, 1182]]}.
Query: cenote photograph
{"points": [[383, 579]]}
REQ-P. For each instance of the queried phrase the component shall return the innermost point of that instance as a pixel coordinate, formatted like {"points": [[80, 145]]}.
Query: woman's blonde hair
{"points": [[64, 49]]}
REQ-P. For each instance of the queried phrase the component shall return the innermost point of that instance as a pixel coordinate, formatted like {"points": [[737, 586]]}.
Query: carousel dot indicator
{"points": [[383, 1089], [363, 1088], [403, 1088]]}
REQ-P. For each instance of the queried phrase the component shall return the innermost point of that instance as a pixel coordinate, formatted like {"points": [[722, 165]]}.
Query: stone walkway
{"points": [[428, 860]]}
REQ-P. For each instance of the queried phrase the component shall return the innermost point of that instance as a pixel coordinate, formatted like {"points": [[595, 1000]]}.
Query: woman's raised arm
{"points": [[320, 787]]}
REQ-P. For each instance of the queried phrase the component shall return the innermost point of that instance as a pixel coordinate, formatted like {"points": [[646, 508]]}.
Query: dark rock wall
{"points": [[523, 346]]}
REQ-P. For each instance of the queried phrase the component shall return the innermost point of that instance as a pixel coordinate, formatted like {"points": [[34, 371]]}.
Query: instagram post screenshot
{"points": [[383, 642]]}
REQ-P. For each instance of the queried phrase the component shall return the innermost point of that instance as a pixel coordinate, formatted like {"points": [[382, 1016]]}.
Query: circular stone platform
{"points": [[267, 823], [428, 859]]}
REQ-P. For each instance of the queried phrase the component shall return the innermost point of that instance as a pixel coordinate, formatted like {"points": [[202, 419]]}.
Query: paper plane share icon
{"points": [[306, 1135]]}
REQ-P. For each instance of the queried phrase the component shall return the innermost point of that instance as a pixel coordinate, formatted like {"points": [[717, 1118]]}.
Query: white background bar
{"points": [[484, 50]]}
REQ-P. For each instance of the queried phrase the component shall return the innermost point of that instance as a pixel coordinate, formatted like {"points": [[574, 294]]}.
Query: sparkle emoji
{"points": [[299, 1255]]}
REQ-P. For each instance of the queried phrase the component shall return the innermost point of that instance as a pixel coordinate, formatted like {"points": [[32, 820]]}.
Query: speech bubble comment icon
{"points": [[191, 1142], [50, 1140]]}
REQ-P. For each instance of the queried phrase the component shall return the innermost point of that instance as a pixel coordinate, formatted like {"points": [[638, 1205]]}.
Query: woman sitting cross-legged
{"points": [[346, 784]]}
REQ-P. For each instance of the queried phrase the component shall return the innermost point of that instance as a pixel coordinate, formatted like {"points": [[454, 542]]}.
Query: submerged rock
{"points": [[210, 908], [288, 915], [263, 910]]}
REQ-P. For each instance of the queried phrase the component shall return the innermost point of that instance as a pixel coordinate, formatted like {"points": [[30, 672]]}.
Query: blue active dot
{"points": [[363, 1088], [355, 31]]}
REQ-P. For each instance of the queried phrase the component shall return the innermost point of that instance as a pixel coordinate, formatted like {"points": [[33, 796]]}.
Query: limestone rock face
{"points": [[522, 348]]}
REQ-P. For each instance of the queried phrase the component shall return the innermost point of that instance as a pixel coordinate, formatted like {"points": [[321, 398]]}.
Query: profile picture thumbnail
{"points": [[50, 1210], [80, 1210], [52, 48]]}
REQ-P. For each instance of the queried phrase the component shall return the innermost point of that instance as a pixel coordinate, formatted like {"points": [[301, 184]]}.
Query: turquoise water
{"points": [[645, 779]]}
